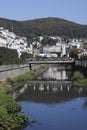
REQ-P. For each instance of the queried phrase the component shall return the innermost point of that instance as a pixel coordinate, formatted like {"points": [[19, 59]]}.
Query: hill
{"points": [[45, 26]]}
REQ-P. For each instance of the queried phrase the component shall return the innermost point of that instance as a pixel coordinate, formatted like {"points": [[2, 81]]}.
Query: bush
{"points": [[83, 81], [78, 76], [9, 118], [10, 121]]}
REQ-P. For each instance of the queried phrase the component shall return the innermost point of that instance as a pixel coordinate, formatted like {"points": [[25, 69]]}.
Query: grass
{"points": [[24, 77], [4, 88], [9, 117]]}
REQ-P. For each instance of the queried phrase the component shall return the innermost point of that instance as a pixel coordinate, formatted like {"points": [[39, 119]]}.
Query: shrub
{"points": [[9, 118], [78, 76]]}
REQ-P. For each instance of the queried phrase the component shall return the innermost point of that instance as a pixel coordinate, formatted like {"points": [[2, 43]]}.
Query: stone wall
{"points": [[10, 71]]}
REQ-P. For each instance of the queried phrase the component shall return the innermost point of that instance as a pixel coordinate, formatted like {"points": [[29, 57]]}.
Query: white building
{"points": [[12, 41], [63, 50], [3, 41]]}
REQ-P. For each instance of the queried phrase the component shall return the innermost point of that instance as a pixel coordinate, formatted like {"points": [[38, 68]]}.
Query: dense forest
{"points": [[45, 26]]}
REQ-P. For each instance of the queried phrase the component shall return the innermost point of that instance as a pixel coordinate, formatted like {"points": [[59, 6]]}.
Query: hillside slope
{"points": [[45, 26]]}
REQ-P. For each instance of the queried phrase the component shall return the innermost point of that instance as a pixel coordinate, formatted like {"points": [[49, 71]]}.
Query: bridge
{"points": [[52, 62], [71, 61]]}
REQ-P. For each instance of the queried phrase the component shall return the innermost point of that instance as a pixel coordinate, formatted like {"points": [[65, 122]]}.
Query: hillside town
{"points": [[61, 48], [10, 40]]}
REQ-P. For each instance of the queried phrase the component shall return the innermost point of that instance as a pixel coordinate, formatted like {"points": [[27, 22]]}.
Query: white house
{"points": [[12, 41]]}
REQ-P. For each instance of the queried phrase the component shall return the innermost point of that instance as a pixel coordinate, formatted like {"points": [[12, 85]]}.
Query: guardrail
{"points": [[52, 62]]}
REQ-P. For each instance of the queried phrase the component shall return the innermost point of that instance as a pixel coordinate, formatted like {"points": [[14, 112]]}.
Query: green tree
{"points": [[26, 55], [74, 52], [48, 41], [8, 56]]}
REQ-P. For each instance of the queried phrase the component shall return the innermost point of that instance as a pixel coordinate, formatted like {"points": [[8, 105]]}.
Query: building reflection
{"points": [[54, 73], [49, 92]]}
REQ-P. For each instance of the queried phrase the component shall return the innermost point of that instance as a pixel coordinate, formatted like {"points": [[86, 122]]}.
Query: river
{"points": [[54, 102]]}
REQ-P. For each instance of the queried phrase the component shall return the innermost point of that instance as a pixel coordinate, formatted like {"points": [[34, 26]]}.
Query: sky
{"points": [[20, 10]]}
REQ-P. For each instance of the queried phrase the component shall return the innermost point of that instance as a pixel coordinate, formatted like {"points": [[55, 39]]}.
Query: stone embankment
{"points": [[11, 71]]}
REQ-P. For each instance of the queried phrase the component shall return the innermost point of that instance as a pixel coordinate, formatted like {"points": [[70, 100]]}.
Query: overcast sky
{"points": [[72, 10]]}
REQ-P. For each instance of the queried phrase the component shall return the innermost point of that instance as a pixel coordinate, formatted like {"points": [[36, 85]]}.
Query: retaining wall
{"points": [[10, 71]]}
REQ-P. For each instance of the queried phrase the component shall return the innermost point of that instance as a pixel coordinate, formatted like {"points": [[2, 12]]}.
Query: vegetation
{"points": [[24, 77], [4, 88], [74, 53], [45, 26], [9, 119], [25, 55], [9, 56], [79, 78], [46, 40]]}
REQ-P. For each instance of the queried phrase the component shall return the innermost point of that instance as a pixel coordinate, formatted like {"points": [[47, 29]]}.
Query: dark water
{"points": [[56, 105]]}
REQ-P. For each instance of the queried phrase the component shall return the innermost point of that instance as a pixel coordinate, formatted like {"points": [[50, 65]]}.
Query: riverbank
{"points": [[23, 78], [79, 80], [78, 84], [9, 117]]}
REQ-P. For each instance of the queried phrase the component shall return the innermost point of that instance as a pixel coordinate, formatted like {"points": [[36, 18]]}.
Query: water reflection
{"points": [[54, 72], [49, 92], [54, 102]]}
